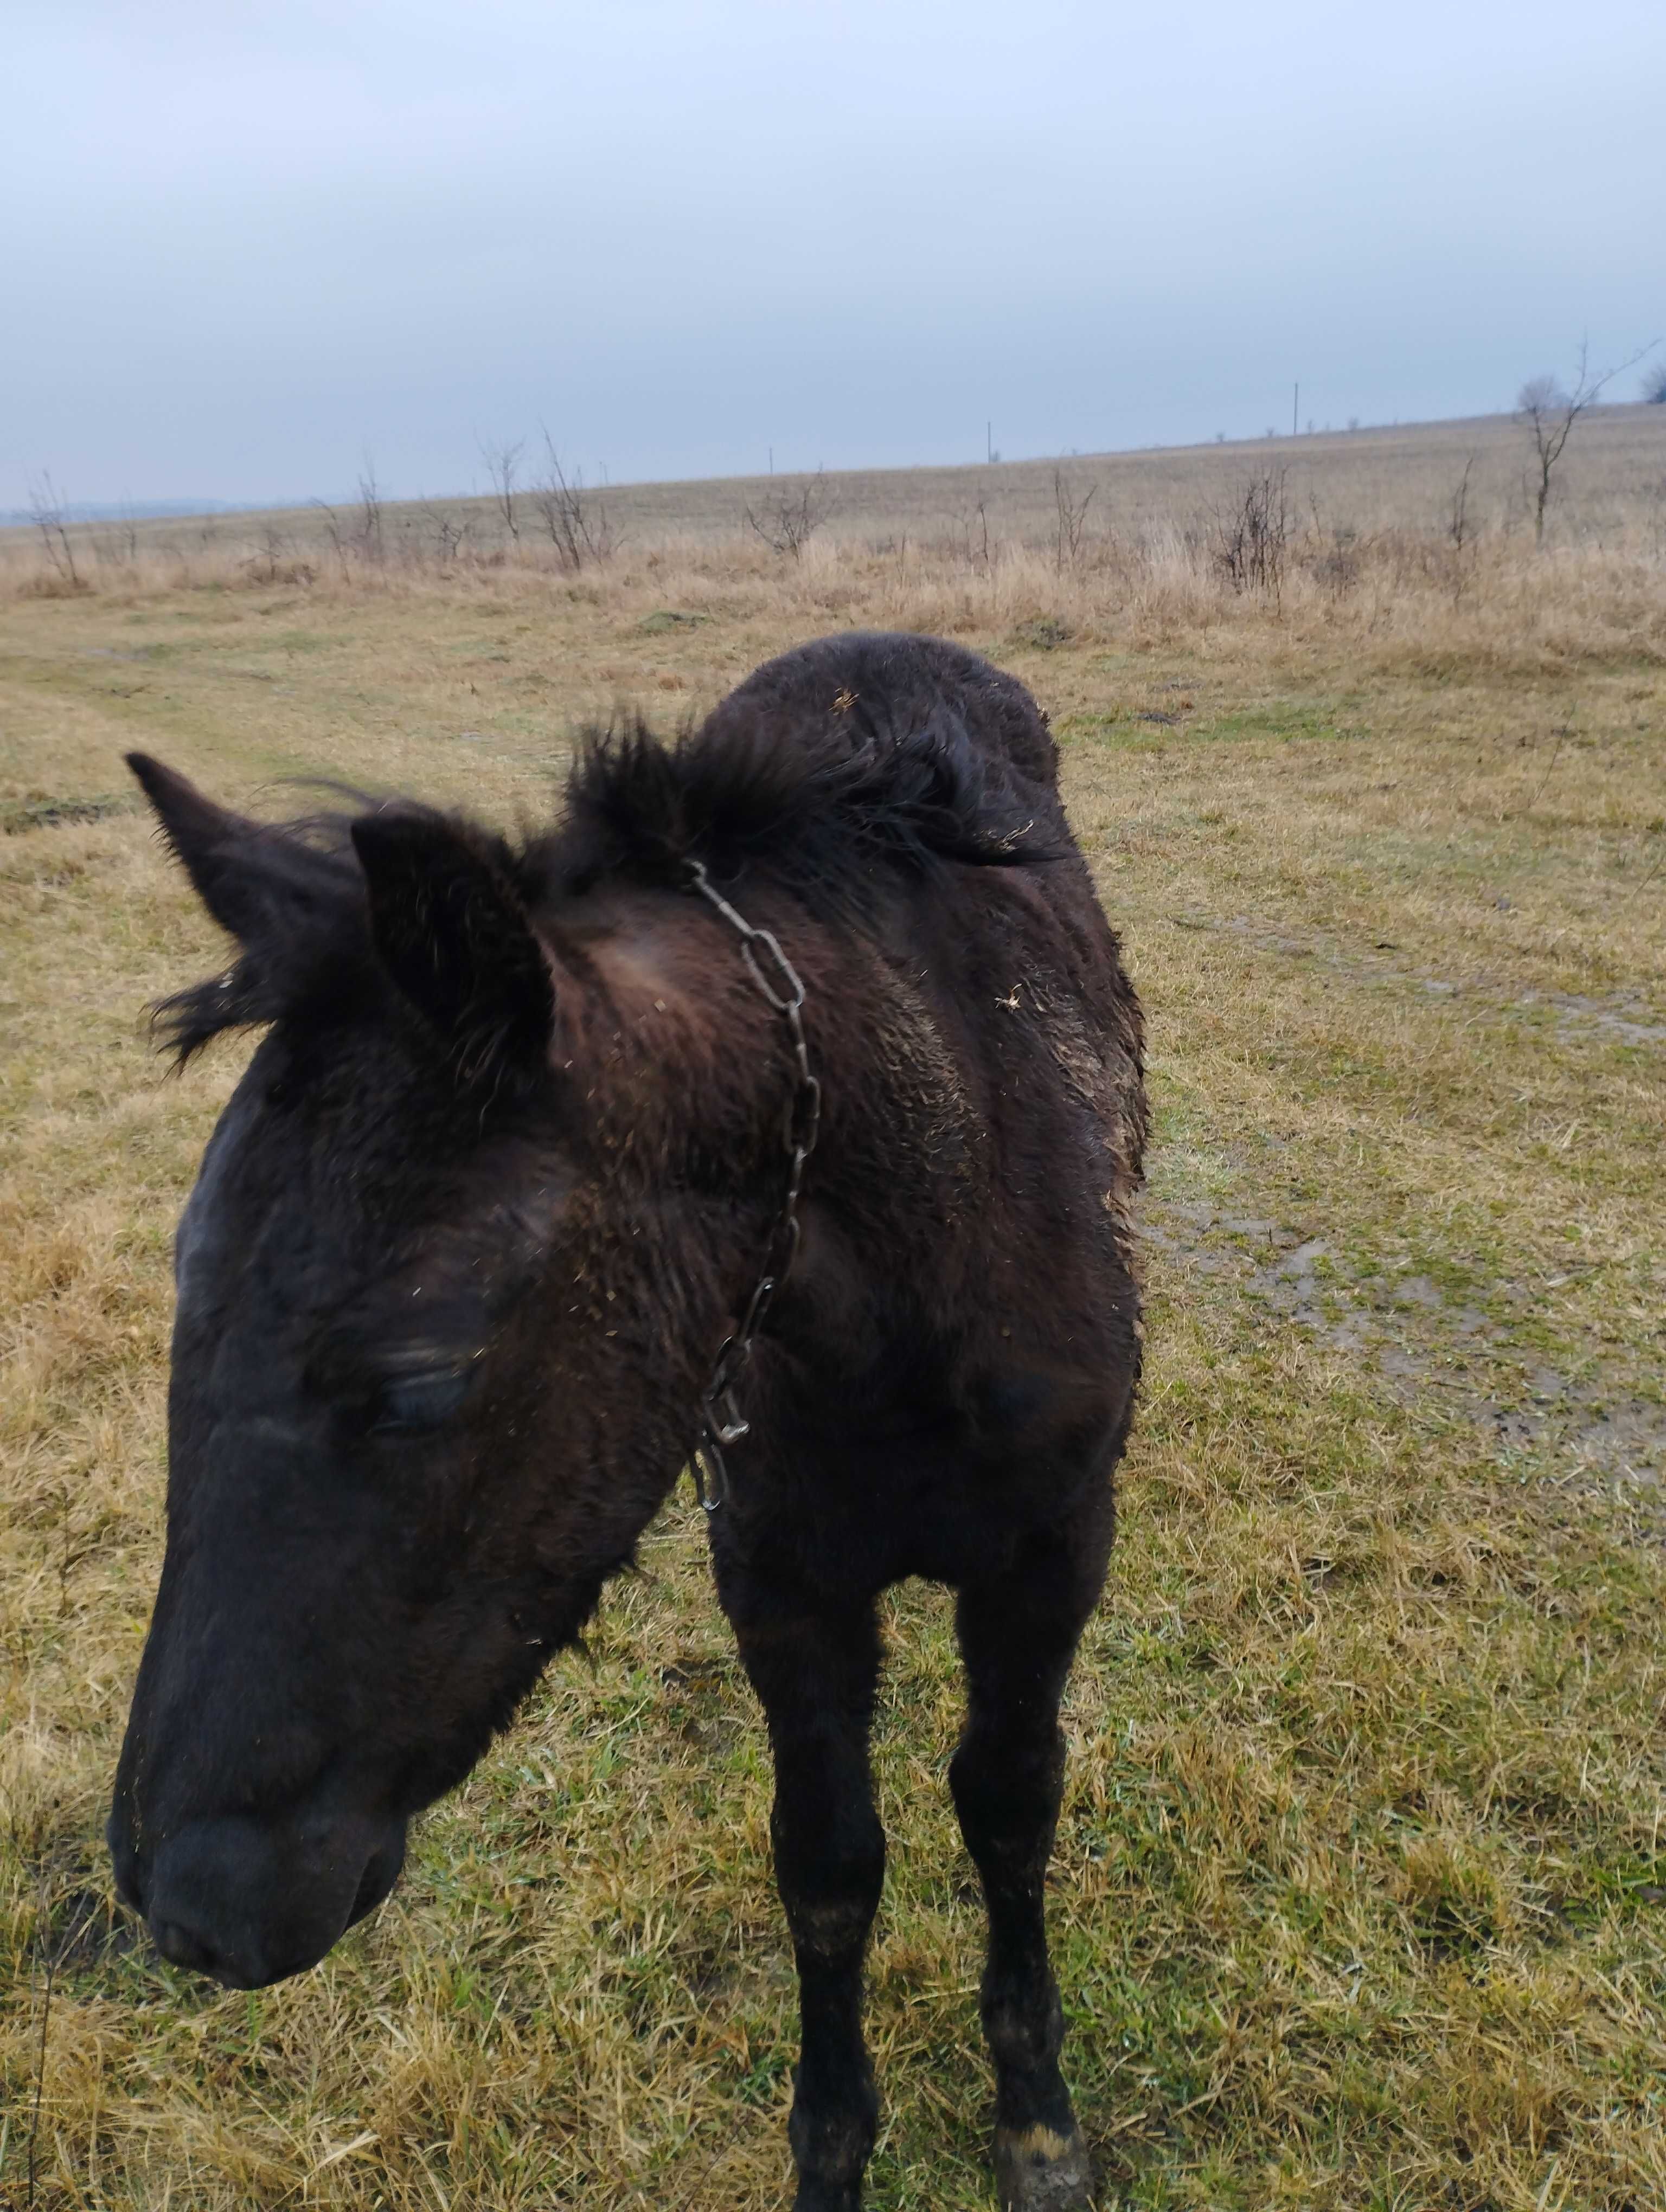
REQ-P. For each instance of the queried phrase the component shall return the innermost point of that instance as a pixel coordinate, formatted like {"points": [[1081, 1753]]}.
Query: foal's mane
{"points": [[834, 813], [835, 806]]}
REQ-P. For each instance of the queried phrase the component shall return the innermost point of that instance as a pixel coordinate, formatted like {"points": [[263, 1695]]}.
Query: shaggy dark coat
{"points": [[499, 1181]]}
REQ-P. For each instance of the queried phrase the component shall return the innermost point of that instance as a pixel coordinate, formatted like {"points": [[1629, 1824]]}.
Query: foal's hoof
{"points": [[1038, 2170]]}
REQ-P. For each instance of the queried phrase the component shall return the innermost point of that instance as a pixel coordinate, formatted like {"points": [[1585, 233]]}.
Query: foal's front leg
{"points": [[815, 1672], [1018, 1637]]}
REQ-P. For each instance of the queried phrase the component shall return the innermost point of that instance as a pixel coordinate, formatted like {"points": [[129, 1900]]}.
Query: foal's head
{"points": [[445, 1288]]}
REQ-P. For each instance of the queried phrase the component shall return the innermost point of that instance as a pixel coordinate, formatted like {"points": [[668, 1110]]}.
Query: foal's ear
{"points": [[255, 881], [455, 938]]}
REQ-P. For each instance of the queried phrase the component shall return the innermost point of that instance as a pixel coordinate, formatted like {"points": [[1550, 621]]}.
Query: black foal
{"points": [[783, 1100]]}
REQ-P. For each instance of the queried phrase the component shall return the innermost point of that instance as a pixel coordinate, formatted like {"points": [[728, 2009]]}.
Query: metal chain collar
{"points": [[721, 1422]]}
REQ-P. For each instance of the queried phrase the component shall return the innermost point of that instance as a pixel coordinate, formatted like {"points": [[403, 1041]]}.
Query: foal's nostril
{"points": [[235, 1957], [181, 1948], [378, 1876]]}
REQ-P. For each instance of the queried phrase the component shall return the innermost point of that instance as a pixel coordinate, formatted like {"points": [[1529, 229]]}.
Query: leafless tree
{"points": [[1250, 537], [120, 545], [370, 513], [1462, 531], [1459, 527], [448, 535], [50, 516], [1069, 521], [575, 519], [503, 465], [974, 527], [793, 518], [333, 532], [1654, 386], [1548, 412]]}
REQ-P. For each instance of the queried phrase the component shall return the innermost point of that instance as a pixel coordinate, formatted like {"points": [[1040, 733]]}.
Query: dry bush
{"points": [[46, 512], [1070, 502], [503, 461], [789, 519], [1252, 535], [575, 520]]}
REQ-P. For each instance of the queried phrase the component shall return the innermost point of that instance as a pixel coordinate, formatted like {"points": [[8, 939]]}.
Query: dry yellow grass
{"points": [[1361, 1885]]}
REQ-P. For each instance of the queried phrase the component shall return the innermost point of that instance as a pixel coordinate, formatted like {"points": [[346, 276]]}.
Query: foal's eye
{"points": [[420, 1401]]}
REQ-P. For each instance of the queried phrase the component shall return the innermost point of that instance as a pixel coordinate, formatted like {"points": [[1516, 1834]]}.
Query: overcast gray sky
{"points": [[245, 245]]}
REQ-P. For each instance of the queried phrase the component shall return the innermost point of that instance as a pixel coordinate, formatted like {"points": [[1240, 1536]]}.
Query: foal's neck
{"points": [[685, 1057]]}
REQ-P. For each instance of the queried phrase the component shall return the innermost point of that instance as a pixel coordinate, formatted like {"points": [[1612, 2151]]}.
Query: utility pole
{"points": [[989, 441], [1295, 408]]}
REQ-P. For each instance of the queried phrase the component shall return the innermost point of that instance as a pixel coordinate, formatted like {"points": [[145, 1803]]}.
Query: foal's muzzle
{"points": [[250, 1901]]}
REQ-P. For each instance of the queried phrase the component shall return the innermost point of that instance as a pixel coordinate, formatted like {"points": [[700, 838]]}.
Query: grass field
{"points": [[1360, 1893], [1610, 487]]}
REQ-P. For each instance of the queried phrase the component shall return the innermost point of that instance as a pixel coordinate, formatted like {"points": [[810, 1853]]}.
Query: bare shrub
{"points": [[1459, 527], [372, 546], [449, 535], [1250, 538], [1336, 559], [1654, 388], [271, 561], [118, 546], [971, 536], [361, 540], [51, 518], [1070, 508], [793, 518], [574, 520], [333, 532], [503, 465]]}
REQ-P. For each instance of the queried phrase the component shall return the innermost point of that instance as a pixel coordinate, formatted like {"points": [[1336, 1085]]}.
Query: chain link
{"points": [[721, 1421]]}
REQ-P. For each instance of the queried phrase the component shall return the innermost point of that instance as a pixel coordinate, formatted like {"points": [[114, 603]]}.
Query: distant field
{"points": [[1613, 479], [1360, 1895]]}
